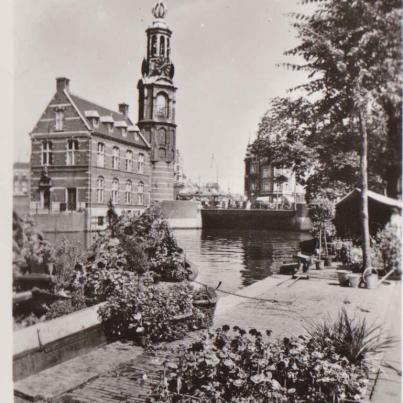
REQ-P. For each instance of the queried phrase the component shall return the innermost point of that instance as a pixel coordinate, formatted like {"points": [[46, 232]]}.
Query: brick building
{"points": [[268, 183], [83, 155]]}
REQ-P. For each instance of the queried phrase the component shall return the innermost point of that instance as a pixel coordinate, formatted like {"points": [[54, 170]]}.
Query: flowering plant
{"points": [[154, 312], [239, 366]]}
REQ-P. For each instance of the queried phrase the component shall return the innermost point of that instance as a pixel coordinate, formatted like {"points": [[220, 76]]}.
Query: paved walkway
{"points": [[276, 303]]}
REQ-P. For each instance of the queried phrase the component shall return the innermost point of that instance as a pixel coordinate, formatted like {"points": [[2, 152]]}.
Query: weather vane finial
{"points": [[159, 10]]}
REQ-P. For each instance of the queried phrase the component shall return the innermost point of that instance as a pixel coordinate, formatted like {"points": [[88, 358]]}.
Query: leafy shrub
{"points": [[151, 311], [243, 367], [66, 257], [352, 338], [66, 306], [387, 249], [139, 244], [29, 246]]}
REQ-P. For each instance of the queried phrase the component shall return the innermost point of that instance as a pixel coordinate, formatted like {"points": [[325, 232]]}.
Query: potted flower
{"points": [[343, 277], [354, 280]]}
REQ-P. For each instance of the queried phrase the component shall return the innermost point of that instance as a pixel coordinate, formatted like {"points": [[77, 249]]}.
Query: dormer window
{"points": [[108, 122], [93, 117], [59, 116], [122, 126], [135, 130]]}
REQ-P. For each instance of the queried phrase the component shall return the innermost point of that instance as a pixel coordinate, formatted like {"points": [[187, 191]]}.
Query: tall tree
{"points": [[351, 50]]}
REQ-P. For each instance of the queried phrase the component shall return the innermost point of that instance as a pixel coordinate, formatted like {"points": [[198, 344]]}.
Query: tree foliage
{"points": [[351, 52]]}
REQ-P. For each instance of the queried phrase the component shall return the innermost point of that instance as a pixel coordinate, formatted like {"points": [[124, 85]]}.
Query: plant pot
{"points": [[140, 339], [371, 281], [207, 306], [354, 280], [320, 264], [342, 275]]}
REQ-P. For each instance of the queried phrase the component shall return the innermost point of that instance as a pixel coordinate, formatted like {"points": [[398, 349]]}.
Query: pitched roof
{"points": [[388, 201], [83, 105]]}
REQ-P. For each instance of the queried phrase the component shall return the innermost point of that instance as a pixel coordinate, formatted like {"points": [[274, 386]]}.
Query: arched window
{"points": [[115, 191], [47, 157], [162, 46], [101, 155], [45, 199], [128, 192], [162, 136], [162, 105], [153, 45], [162, 153], [141, 164], [72, 148], [100, 189], [129, 161], [140, 193], [115, 158]]}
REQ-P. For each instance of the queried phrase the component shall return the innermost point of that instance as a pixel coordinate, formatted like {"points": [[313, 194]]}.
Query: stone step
{"points": [[53, 382]]}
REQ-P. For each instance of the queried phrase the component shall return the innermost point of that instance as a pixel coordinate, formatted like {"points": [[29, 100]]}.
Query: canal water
{"points": [[238, 258]]}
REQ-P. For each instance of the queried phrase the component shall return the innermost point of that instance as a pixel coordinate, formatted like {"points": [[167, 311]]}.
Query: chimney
{"points": [[62, 83], [124, 109]]}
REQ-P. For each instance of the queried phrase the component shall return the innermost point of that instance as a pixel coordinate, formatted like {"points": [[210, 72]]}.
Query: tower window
{"points": [[101, 155], [100, 189], [141, 164], [162, 106], [115, 158], [153, 45], [128, 192], [162, 136], [115, 191], [72, 148], [162, 46], [46, 153]]}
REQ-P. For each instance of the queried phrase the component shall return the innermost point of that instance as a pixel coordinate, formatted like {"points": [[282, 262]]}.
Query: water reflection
{"points": [[237, 258]]}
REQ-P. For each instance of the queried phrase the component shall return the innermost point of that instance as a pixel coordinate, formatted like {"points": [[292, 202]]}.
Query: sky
{"points": [[225, 54]]}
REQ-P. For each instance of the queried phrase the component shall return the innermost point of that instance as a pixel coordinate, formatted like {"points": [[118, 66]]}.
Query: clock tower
{"points": [[157, 105]]}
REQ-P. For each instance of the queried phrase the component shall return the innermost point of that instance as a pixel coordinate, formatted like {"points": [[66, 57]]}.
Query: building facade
{"points": [[265, 182], [156, 115], [83, 155]]}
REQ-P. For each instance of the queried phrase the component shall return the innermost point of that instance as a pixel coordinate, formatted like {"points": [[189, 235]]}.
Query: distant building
{"points": [[83, 155], [21, 186], [268, 183]]}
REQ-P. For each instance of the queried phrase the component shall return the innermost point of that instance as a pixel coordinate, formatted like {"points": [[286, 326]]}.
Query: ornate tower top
{"points": [[159, 10]]}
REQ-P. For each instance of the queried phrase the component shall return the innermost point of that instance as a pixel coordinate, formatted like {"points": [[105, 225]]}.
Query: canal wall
{"points": [[290, 220], [49, 343], [182, 214]]}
